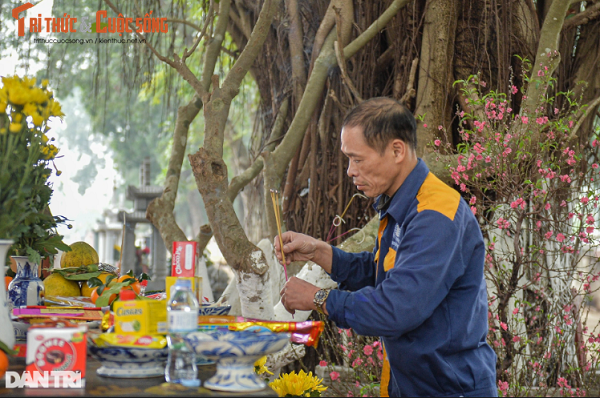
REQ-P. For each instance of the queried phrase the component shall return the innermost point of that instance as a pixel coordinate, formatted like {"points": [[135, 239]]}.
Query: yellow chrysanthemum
{"points": [[44, 83], [22, 91], [44, 138], [39, 96], [260, 368], [29, 109], [19, 94], [297, 385], [3, 99], [38, 119], [49, 151], [14, 127], [17, 117], [29, 81], [55, 109]]}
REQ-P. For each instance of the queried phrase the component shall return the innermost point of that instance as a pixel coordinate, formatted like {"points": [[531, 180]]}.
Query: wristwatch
{"points": [[320, 298]]}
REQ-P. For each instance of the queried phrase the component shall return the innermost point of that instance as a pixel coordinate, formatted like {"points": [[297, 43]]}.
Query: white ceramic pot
{"points": [[7, 334]]}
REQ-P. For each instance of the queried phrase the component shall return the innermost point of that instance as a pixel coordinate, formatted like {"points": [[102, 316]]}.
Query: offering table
{"points": [[97, 386]]}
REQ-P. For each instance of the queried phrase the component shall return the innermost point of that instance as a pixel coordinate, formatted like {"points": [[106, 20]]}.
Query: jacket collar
{"points": [[401, 200]]}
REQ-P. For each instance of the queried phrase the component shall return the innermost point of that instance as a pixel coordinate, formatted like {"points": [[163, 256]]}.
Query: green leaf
{"points": [[107, 292], [77, 277], [94, 282], [7, 350], [144, 277], [33, 255], [109, 279]]}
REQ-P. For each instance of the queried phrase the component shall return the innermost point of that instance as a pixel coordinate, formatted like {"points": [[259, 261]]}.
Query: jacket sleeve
{"points": [[428, 262], [352, 271]]}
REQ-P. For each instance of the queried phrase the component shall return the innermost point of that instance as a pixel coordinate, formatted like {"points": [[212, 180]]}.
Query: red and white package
{"points": [[183, 262]]}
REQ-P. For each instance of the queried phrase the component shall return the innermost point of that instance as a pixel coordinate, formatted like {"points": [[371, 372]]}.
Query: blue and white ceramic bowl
{"points": [[212, 309], [125, 362], [235, 353]]}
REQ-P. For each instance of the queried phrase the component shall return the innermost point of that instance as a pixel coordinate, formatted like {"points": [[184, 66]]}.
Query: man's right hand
{"points": [[300, 247]]}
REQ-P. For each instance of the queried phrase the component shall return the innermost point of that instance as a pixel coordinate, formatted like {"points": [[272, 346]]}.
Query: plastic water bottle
{"points": [[182, 316]]}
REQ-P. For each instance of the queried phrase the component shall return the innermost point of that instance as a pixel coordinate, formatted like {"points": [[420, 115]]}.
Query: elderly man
{"points": [[422, 290]]}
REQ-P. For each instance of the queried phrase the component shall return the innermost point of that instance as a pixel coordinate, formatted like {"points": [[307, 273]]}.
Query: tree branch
{"points": [[339, 55], [546, 55], [257, 38], [214, 46], [238, 22], [316, 82], [241, 180], [295, 39], [185, 22], [410, 86], [591, 107], [207, 21], [590, 13], [177, 64], [375, 28], [160, 210], [140, 36]]}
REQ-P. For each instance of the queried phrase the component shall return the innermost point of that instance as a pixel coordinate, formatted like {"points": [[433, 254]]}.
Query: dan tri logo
{"points": [[15, 14]]}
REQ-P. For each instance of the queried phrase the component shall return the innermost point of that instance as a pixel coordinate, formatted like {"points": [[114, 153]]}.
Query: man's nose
{"points": [[351, 170]]}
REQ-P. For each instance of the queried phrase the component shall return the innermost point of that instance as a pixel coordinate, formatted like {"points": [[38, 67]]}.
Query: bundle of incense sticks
{"points": [[275, 199]]}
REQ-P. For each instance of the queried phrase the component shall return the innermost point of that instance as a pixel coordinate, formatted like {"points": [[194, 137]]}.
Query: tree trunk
{"points": [[435, 70]]}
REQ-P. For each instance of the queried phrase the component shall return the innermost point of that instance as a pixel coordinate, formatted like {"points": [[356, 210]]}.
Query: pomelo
{"points": [[56, 285], [81, 254]]}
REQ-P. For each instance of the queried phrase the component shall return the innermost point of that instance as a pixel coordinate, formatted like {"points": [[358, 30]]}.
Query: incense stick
{"points": [[122, 244], [275, 200]]}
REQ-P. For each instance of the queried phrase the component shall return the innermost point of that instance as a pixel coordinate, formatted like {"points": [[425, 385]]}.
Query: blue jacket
{"points": [[423, 291]]}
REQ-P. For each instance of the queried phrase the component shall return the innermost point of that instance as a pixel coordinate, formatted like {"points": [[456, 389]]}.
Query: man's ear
{"points": [[399, 149]]}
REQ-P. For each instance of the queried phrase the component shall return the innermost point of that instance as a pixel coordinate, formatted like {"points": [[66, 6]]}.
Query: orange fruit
{"points": [[94, 297], [135, 286], [7, 280], [3, 363]]}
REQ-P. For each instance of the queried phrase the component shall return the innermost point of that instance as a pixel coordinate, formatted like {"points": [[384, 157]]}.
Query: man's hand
{"points": [[297, 294], [296, 247], [300, 247]]}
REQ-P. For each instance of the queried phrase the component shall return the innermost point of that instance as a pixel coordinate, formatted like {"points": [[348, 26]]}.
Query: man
{"points": [[422, 289]]}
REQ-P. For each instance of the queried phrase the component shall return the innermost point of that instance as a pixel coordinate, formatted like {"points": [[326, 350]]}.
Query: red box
{"points": [[56, 348], [183, 261]]}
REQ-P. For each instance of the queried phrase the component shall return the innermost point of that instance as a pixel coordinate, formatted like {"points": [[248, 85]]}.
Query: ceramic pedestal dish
{"points": [[212, 309], [125, 362], [235, 354]]}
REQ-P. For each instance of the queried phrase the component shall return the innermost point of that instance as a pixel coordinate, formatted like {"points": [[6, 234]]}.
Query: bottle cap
{"points": [[183, 283], [127, 295], [144, 283]]}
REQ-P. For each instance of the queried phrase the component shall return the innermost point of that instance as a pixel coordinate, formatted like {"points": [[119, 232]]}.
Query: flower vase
{"points": [[7, 334], [27, 288]]}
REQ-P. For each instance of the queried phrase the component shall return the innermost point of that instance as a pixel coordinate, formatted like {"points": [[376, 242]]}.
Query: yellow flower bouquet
{"points": [[26, 155], [298, 385]]}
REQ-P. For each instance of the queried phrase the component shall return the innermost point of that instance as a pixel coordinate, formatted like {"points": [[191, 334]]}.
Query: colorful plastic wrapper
{"points": [[307, 333], [79, 301], [108, 320], [131, 340]]}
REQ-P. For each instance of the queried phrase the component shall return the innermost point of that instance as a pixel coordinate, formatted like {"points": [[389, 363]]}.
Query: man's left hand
{"points": [[297, 294]]}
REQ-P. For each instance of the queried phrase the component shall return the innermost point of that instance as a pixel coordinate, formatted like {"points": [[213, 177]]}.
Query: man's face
{"points": [[371, 172]]}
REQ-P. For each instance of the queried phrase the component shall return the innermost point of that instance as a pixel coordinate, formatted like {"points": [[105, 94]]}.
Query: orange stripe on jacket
{"points": [[437, 196], [385, 371], [385, 376]]}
